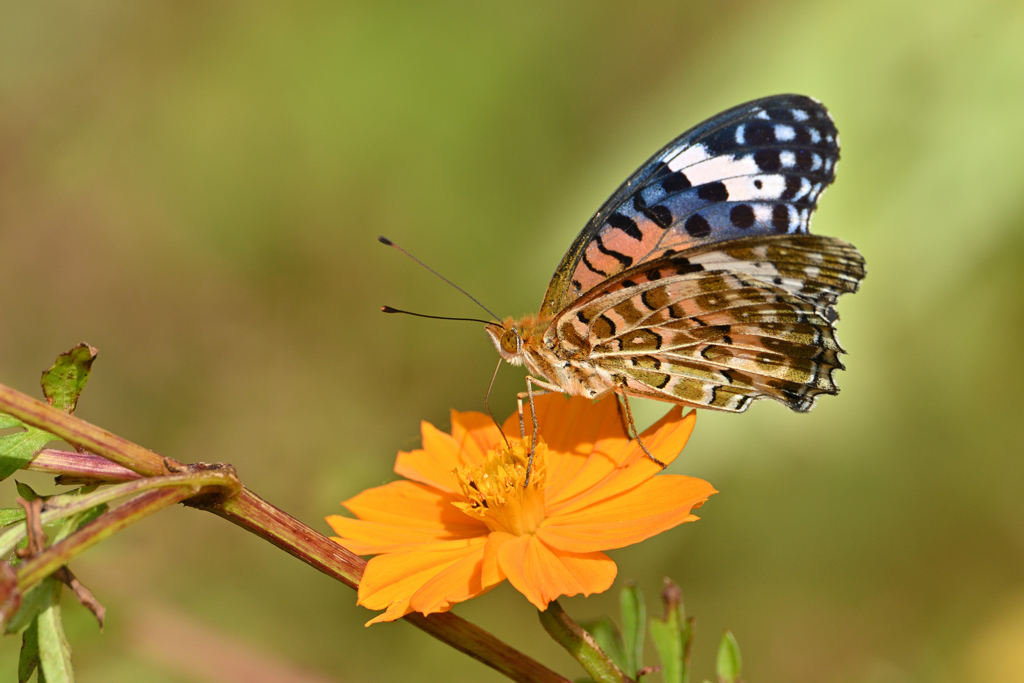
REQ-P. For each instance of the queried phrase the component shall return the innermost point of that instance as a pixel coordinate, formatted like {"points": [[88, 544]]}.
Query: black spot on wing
{"points": [[780, 218], [768, 160], [742, 216], [676, 182], [697, 226], [713, 192], [626, 225]]}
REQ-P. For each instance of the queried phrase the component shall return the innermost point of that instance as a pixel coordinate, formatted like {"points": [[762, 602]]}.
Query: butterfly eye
{"points": [[510, 342]]}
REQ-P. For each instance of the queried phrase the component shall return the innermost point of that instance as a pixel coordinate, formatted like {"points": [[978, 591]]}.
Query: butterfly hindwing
{"points": [[756, 169], [720, 325]]}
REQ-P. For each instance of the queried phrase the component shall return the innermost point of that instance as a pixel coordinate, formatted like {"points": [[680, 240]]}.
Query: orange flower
{"points": [[464, 522]]}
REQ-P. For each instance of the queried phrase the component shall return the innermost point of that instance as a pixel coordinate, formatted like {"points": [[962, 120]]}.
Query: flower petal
{"points": [[576, 428], [410, 504], [542, 573], [665, 439], [390, 580], [656, 505], [459, 582], [371, 538], [476, 434], [433, 464]]}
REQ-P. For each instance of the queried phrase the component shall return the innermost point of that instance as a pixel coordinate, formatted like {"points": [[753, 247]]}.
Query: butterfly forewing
{"points": [[756, 169]]}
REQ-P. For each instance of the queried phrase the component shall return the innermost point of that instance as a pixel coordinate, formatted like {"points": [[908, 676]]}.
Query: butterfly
{"points": [[698, 282]]}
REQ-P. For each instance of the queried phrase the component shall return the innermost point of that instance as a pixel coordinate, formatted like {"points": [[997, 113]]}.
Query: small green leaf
{"points": [[608, 638], [32, 603], [63, 383], [29, 659], [54, 650], [729, 665], [634, 620], [26, 491], [18, 449], [8, 421], [11, 515]]}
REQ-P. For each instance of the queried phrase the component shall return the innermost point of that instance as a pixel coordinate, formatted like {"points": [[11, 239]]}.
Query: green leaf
{"points": [[32, 603], [54, 650], [63, 383], [26, 491], [29, 659], [8, 421], [729, 665], [634, 620], [18, 449], [11, 515], [608, 639]]}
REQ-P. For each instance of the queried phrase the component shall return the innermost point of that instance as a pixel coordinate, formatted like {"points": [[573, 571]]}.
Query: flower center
{"points": [[495, 493]]}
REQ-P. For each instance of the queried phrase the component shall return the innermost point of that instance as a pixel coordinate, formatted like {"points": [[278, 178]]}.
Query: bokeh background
{"points": [[196, 189]]}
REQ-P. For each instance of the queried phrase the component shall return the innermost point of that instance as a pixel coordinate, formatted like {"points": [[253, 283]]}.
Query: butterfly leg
{"points": [[544, 389], [636, 432]]}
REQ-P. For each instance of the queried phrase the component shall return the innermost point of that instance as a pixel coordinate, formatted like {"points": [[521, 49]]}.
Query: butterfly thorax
{"points": [[530, 341]]}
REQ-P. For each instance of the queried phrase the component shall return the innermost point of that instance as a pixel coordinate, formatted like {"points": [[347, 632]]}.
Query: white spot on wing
{"points": [[739, 134], [788, 159], [763, 213], [763, 115], [720, 168], [815, 135], [688, 157], [784, 133], [744, 188], [800, 114]]}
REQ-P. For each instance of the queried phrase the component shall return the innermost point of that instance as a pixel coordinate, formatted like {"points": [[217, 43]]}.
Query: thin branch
{"points": [[80, 467], [246, 510], [35, 569], [254, 514], [78, 432], [581, 645], [221, 481]]}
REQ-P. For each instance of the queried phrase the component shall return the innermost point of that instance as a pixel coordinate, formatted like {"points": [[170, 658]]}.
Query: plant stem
{"points": [[38, 567], [57, 508], [246, 510], [79, 466], [80, 433], [254, 514], [581, 645]]}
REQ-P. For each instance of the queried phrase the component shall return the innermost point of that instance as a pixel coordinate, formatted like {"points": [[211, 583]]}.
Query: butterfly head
{"points": [[508, 340]]}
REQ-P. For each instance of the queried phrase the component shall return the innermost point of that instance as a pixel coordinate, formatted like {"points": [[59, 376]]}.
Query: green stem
{"points": [[194, 479], [38, 567], [80, 433], [581, 645]]}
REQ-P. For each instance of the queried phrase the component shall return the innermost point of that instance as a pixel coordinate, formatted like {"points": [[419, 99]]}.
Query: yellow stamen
{"points": [[495, 493]]}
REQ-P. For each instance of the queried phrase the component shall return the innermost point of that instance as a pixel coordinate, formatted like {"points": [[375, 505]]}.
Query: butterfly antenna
{"points": [[385, 240], [389, 309]]}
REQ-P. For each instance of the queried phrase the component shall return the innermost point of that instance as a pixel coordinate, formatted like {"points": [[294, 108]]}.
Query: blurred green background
{"points": [[196, 189]]}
